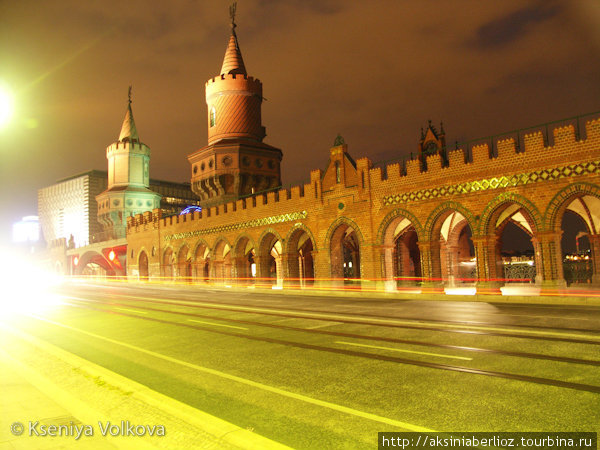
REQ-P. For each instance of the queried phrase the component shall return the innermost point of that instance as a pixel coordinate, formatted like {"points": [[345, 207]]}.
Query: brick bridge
{"points": [[433, 222]]}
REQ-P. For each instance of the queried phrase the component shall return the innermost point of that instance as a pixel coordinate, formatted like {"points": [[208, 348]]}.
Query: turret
{"points": [[128, 179]]}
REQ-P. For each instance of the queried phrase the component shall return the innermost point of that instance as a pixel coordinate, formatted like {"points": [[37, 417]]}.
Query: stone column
{"points": [[261, 272], [538, 260], [387, 268]]}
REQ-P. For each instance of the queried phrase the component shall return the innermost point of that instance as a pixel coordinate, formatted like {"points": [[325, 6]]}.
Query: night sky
{"points": [[374, 71]]}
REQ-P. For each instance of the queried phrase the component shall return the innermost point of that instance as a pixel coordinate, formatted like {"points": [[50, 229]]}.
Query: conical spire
{"points": [[128, 130], [233, 62]]}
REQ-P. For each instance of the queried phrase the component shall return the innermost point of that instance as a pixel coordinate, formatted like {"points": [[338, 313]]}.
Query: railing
{"points": [[576, 272], [519, 272]]}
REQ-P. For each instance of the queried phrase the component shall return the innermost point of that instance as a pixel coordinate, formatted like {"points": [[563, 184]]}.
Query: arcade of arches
{"points": [[454, 248]]}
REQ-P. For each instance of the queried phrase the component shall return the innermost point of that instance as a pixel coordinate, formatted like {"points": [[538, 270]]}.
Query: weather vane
{"points": [[129, 94], [232, 9]]}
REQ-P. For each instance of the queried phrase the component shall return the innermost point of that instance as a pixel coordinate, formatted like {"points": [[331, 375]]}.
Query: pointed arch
{"points": [[237, 242], [509, 197], [217, 243], [344, 241], [432, 220], [269, 254], [342, 220], [293, 231], [243, 262], [199, 243], [393, 215], [560, 201], [299, 251]]}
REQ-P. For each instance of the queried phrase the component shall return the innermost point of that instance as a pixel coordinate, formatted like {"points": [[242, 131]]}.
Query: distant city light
{"points": [[26, 230], [190, 209]]}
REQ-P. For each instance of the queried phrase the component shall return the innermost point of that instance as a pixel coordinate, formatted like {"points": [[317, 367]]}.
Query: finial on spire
{"points": [[129, 94], [232, 9]]}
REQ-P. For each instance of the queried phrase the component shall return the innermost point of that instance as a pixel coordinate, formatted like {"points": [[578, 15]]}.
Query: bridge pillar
{"points": [[370, 267], [290, 270], [551, 259], [322, 268], [486, 253], [431, 267], [595, 248]]}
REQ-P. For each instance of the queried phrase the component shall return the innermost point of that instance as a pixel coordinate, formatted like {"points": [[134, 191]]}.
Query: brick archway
{"points": [[344, 241], [584, 200], [504, 209], [298, 257], [398, 236], [220, 258], [269, 256], [244, 253], [201, 260], [441, 257]]}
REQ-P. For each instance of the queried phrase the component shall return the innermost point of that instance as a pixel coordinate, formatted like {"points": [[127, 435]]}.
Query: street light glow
{"points": [[6, 106]]}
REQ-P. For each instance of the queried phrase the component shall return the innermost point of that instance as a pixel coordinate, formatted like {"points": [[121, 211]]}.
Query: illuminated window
{"points": [[338, 172], [213, 116]]}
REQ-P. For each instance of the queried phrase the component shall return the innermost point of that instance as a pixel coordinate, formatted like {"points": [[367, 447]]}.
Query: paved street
{"points": [[330, 372]]}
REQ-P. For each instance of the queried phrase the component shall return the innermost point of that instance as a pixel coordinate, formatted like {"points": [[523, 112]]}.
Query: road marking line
{"points": [[265, 387], [321, 326], [333, 317], [132, 310], [405, 351], [217, 324]]}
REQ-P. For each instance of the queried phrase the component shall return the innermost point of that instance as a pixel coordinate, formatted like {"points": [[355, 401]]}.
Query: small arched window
{"points": [[213, 116]]}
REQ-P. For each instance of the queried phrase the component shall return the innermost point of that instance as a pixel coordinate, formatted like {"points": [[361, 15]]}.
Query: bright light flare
{"points": [[6, 106], [25, 288]]}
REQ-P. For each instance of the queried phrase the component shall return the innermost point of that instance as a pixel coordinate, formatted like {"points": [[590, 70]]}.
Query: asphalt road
{"points": [[330, 372]]}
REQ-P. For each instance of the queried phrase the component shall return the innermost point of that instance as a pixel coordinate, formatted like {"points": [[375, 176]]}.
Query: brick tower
{"points": [[235, 162]]}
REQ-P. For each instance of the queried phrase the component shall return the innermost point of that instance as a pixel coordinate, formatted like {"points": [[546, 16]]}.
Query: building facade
{"points": [[434, 221]]}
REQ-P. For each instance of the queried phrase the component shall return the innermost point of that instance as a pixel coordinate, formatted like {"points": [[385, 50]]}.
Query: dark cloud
{"points": [[513, 26], [316, 6]]}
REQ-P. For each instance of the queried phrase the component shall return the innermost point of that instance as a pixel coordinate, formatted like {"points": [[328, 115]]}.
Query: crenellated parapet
{"points": [[508, 166], [233, 82], [504, 158], [127, 146]]}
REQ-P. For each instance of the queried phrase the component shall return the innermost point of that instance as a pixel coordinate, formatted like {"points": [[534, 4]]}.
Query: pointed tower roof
{"points": [[128, 130], [233, 62]]}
